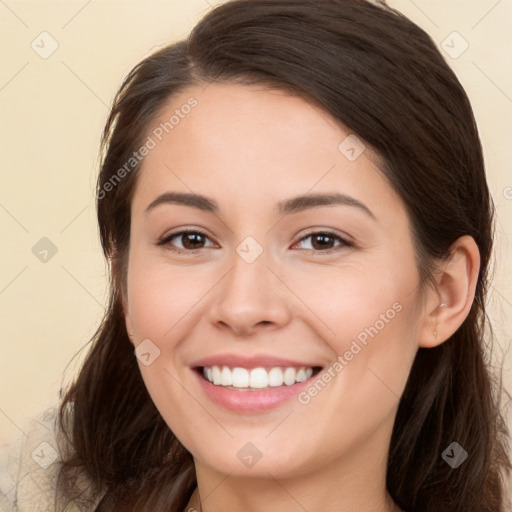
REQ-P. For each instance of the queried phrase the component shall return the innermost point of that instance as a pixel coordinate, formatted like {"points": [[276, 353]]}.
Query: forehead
{"points": [[240, 142]]}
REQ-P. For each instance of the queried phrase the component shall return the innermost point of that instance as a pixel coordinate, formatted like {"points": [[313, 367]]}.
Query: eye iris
{"points": [[192, 240], [325, 241]]}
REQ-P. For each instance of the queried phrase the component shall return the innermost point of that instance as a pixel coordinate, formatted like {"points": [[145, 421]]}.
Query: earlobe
{"points": [[449, 303], [443, 305]]}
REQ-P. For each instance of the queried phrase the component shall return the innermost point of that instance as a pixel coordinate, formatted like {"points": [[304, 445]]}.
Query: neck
{"points": [[352, 482], [260, 501]]}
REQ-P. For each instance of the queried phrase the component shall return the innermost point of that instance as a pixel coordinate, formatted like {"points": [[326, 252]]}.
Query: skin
{"points": [[248, 148]]}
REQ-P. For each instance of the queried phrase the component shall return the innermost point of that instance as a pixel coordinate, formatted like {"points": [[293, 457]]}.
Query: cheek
{"points": [[160, 306], [374, 318], [356, 300], [368, 316], [160, 295]]}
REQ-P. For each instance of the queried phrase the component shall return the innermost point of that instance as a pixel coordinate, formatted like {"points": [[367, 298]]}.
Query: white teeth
{"points": [[275, 377], [216, 375], [240, 377], [256, 378], [225, 377], [301, 375], [289, 376]]}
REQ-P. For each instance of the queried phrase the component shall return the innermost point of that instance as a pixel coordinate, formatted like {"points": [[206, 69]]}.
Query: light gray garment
{"points": [[29, 467]]}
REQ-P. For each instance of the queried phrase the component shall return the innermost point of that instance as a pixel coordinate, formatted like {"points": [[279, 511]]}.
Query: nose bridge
{"points": [[249, 268], [248, 295]]}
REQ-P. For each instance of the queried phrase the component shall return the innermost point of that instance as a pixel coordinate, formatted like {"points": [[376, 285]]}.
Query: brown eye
{"points": [[192, 240], [323, 241], [188, 241]]}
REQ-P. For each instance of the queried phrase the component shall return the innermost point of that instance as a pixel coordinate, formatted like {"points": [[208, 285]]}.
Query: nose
{"points": [[250, 298]]}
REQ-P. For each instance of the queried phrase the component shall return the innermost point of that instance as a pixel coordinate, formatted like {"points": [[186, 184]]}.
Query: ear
{"points": [[449, 302]]}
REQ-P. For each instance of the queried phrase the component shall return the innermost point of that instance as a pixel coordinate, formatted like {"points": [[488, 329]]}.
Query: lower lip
{"points": [[248, 401]]}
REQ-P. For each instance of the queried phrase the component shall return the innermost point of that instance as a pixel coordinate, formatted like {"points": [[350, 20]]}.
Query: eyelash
{"points": [[166, 241]]}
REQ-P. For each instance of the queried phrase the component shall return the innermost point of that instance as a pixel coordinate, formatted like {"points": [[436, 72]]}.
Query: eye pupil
{"points": [[325, 241], [192, 240]]}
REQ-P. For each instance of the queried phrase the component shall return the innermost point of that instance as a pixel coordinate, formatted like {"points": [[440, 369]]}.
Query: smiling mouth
{"points": [[260, 378]]}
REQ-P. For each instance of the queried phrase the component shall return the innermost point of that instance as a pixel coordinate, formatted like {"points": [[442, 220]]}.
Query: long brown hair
{"points": [[383, 78]]}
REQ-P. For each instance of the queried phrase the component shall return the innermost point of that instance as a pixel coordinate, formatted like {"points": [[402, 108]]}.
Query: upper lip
{"points": [[254, 361]]}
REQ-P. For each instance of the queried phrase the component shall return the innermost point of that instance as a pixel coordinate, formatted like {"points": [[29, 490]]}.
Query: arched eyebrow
{"points": [[285, 207], [186, 199], [300, 203]]}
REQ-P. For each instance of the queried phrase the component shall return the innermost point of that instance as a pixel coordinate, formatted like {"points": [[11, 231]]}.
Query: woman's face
{"points": [[329, 280]]}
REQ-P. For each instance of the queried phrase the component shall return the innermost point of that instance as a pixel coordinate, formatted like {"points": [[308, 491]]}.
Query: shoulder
{"points": [[29, 469]]}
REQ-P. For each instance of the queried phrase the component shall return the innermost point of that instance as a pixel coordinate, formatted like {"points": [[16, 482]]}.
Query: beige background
{"points": [[52, 111]]}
